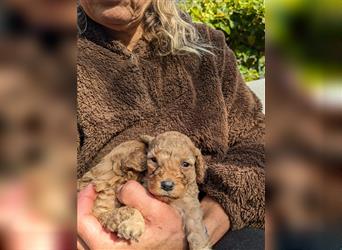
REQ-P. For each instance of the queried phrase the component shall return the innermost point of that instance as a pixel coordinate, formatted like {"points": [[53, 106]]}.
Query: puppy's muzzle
{"points": [[167, 185]]}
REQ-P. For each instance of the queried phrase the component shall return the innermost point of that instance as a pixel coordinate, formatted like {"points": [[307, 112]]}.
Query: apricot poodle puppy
{"points": [[174, 167], [125, 162]]}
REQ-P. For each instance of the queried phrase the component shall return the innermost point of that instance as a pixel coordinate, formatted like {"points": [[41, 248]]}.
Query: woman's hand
{"points": [[215, 219], [163, 223]]}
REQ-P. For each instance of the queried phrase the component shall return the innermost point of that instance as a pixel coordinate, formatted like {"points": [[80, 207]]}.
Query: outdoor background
{"points": [[242, 22]]}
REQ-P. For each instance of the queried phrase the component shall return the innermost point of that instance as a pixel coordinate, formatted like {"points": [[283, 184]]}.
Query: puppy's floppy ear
{"points": [[147, 139], [200, 166]]}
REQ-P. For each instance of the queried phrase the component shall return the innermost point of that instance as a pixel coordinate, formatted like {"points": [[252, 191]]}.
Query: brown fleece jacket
{"points": [[123, 94]]}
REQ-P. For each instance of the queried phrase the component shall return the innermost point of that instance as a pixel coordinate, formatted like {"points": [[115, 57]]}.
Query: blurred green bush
{"points": [[243, 23]]}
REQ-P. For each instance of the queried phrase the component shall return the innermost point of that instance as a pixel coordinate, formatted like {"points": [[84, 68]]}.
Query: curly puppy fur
{"points": [[125, 162], [174, 167]]}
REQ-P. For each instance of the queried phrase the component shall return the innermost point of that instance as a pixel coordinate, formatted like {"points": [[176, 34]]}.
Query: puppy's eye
{"points": [[185, 164], [153, 159]]}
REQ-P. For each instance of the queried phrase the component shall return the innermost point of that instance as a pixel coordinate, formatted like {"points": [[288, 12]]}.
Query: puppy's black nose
{"points": [[167, 185]]}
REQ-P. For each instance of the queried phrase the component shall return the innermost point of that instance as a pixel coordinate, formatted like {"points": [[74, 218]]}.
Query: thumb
{"points": [[133, 194], [85, 200]]}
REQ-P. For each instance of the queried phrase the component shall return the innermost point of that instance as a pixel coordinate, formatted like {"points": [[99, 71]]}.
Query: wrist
{"points": [[215, 219]]}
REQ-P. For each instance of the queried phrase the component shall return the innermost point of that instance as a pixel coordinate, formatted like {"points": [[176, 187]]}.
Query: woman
{"points": [[145, 68]]}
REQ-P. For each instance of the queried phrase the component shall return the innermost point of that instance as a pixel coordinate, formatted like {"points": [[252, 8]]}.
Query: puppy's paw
{"points": [[130, 230], [127, 222], [132, 224], [108, 221], [111, 225], [197, 242]]}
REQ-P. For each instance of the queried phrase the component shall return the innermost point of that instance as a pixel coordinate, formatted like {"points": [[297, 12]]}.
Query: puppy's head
{"points": [[126, 160], [173, 165], [131, 156]]}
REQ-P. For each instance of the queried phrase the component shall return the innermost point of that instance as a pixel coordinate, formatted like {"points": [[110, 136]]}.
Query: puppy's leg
{"points": [[127, 222], [196, 234], [193, 221]]}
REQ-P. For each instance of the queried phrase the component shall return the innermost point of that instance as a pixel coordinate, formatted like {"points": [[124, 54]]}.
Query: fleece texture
{"points": [[123, 94]]}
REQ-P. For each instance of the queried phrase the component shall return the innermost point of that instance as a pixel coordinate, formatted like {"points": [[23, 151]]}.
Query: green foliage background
{"points": [[243, 23]]}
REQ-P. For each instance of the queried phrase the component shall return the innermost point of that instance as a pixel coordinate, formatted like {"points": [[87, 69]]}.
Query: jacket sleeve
{"points": [[237, 179]]}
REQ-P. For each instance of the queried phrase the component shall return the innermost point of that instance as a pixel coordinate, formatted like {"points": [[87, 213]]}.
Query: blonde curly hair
{"points": [[163, 22], [167, 26]]}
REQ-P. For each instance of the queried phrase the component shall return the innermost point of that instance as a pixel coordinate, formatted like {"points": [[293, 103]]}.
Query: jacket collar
{"points": [[97, 34], [145, 49]]}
